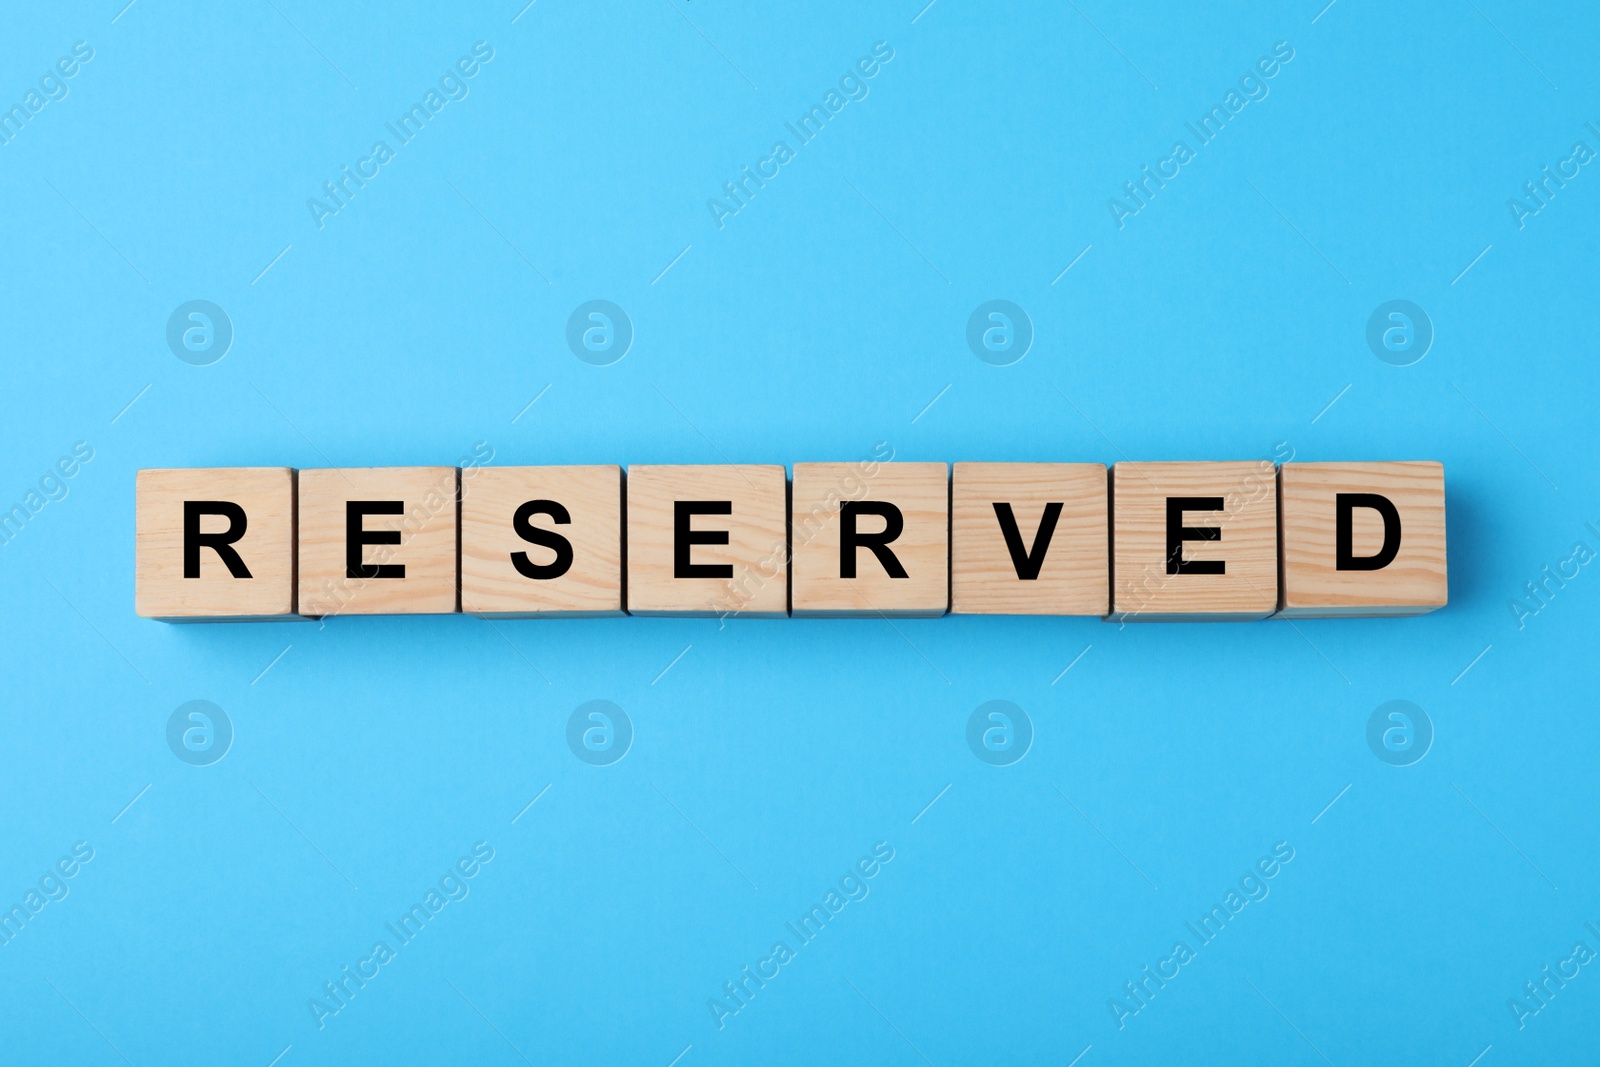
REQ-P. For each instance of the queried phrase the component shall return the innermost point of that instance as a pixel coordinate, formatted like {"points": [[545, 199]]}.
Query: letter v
{"points": [[1028, 562]]}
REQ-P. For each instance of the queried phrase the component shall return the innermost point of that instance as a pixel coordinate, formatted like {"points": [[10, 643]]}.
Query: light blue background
{"points": [[823, 318]]}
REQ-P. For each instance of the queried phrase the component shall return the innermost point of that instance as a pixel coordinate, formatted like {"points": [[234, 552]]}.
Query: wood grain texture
{"points": [[427, 548], [1142, 588], [267, 548], [922, 493], [491, 585], [1075, 575], [756, 550], [1413, 583]]}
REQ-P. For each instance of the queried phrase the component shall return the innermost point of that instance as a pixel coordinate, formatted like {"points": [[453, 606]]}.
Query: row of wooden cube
{"points": [[1228, 540]]}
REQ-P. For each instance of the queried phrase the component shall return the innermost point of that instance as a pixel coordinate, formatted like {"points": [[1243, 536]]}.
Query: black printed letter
{"points": [[1028, 563], [520, 522], [850, 539], [221, 543], [683, 512], [1178, 533], [355, 537], [1345, 505]]}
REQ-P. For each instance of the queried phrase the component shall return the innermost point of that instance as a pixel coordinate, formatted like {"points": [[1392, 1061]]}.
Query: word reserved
{"points": [[1142, 541]]}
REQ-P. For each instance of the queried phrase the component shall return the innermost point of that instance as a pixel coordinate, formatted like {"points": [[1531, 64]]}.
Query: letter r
{"points": [[220, 543], [850, 539]]}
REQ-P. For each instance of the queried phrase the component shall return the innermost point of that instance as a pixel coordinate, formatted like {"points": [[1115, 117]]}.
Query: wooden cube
{"points": [[215, 543], [1362, 539], [541, 542], [708, 540], [1194, 541], [871, 538], [378, 541], [1030, 539]]}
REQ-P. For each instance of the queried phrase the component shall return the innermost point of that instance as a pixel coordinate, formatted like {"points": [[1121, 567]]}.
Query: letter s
{"points": [[522, 523]]}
